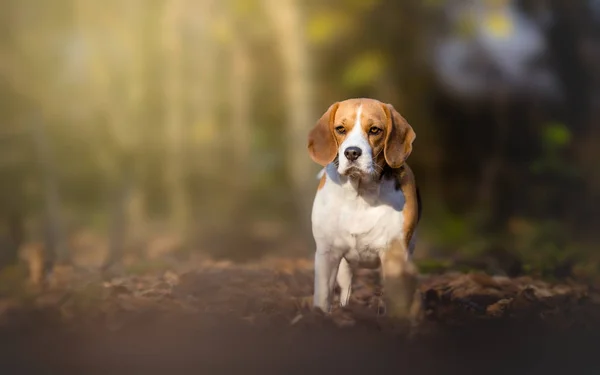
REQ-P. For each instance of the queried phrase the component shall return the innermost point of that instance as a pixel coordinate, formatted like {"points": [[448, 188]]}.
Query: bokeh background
{"points": [[136, 130]]}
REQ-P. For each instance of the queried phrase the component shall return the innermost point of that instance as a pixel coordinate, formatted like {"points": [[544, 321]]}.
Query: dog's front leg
{"points": [[400, 279], [326, 268]]}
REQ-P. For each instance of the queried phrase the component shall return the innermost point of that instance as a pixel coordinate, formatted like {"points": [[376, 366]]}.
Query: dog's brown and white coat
{"points": [[367, 206]]}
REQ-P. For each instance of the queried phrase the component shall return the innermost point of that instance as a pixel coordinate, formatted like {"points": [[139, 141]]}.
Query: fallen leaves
{"points": [[456, 297], [280, 291]]}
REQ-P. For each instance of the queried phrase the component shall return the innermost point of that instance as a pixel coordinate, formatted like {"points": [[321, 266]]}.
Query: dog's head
{"points": [[362, 136]]}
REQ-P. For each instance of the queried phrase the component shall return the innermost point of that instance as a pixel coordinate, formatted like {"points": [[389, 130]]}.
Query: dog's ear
{"points": [[321, 142], [399, 139]]}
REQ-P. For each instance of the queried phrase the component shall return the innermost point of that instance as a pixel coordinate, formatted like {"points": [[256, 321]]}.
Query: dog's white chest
{"points": [[360, 226]]}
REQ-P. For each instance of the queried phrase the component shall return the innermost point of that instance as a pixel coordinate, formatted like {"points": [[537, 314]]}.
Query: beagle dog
{"points": [[367, 206]]}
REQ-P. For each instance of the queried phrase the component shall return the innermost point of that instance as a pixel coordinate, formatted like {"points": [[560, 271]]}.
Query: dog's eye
{"points": [[340, 129], [374, 130]]}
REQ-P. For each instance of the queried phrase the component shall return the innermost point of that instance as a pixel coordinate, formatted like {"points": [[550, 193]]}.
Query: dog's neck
{"points": [[363, 185]]}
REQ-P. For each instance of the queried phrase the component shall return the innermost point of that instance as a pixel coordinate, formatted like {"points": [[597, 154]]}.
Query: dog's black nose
{"points": [[353, 153]]}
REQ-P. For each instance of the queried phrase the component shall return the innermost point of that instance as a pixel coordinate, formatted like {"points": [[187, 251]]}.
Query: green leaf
{"points": [[556, 135], [364, 70], [325, 26]]}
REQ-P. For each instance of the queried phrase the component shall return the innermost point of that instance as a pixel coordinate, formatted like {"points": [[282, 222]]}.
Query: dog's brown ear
{"points": [[399, 139], [321, 143]]}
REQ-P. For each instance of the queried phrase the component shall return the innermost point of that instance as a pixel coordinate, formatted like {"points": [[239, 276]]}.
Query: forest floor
{"points": [[210, 317]]}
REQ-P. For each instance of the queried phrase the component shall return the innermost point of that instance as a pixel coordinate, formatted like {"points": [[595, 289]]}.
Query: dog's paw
{"points": [[396, 309], [403, 307]]}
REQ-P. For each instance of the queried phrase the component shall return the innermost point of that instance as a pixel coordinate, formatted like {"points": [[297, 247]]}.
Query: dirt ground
{"points": [[220, 318]]}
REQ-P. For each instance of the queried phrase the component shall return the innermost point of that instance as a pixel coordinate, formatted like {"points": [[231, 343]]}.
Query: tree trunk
{"points": [[125, 120], [118, 223], [492, 169], [241, 128], [204, 95], [175, 163], [288, 21], [135, 209], [240, 108], [55, 243], [205, 153]]}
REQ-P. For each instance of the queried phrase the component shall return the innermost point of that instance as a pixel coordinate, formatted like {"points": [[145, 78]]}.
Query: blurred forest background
{"points": [[135, 129]]}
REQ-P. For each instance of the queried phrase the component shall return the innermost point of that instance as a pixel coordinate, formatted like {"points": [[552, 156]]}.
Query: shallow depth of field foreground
{"points": [[200, 316]]}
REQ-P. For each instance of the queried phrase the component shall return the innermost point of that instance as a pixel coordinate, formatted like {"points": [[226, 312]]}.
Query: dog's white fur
{"points": [[355, 219]]}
